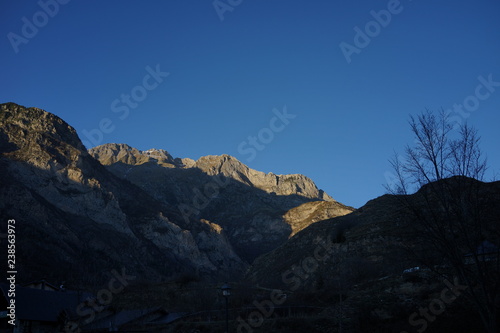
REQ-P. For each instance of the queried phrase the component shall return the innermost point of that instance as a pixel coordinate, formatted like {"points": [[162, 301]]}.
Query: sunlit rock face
{"points": [[250, 206]]}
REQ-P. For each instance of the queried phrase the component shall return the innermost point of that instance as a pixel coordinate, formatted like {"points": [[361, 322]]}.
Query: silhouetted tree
{"points": [[446, 169]]}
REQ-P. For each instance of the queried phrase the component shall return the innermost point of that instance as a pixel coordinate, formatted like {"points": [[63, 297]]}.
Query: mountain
{"points": [[80, 215], [228, 166], [76, 220], [252, 207], [378, 264]]}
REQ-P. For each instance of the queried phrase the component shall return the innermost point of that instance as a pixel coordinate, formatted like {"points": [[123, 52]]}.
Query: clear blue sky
{"points": [[226, 77]]}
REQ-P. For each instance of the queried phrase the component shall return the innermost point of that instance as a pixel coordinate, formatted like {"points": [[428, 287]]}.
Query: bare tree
{"points": [[444, 170]]}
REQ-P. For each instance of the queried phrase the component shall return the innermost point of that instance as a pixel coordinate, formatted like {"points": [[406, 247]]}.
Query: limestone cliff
{"points": [[211, 165], [250, 205]]}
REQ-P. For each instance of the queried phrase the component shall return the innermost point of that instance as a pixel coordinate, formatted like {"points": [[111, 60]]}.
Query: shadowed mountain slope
{"points": [[155, 216], [251, 206], [76, 220]]}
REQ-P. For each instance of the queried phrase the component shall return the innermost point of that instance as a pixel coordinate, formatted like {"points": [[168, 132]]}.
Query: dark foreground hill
{"points": [[375, 268]]}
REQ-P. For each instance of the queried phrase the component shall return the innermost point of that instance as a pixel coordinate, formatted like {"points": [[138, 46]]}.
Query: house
{"points": [[486, 251], [41, 310], [411, 270], [42, 285]]}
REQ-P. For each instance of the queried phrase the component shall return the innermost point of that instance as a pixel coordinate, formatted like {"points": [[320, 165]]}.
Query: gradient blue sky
{"points": [[226, 77]]}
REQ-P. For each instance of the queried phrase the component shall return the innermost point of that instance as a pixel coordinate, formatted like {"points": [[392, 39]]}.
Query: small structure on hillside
{"points": [[41, 284], [486, 251]]}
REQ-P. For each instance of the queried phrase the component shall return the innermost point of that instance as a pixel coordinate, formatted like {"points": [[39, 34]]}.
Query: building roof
{"points": [[117, 320], [487, 247], [169, 318], [44, 305], [48, 306], [41, 284]]}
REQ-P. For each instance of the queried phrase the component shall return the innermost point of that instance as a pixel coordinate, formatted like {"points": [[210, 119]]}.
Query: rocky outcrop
{"points": [[311, 212], [270, 183], [211, 165], [249, 205], [112, 153]]}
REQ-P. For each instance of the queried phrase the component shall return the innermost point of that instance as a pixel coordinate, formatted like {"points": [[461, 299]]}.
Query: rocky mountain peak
{"points": [[213, 165], [111, 153], [28, 126], [292, 184]]}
